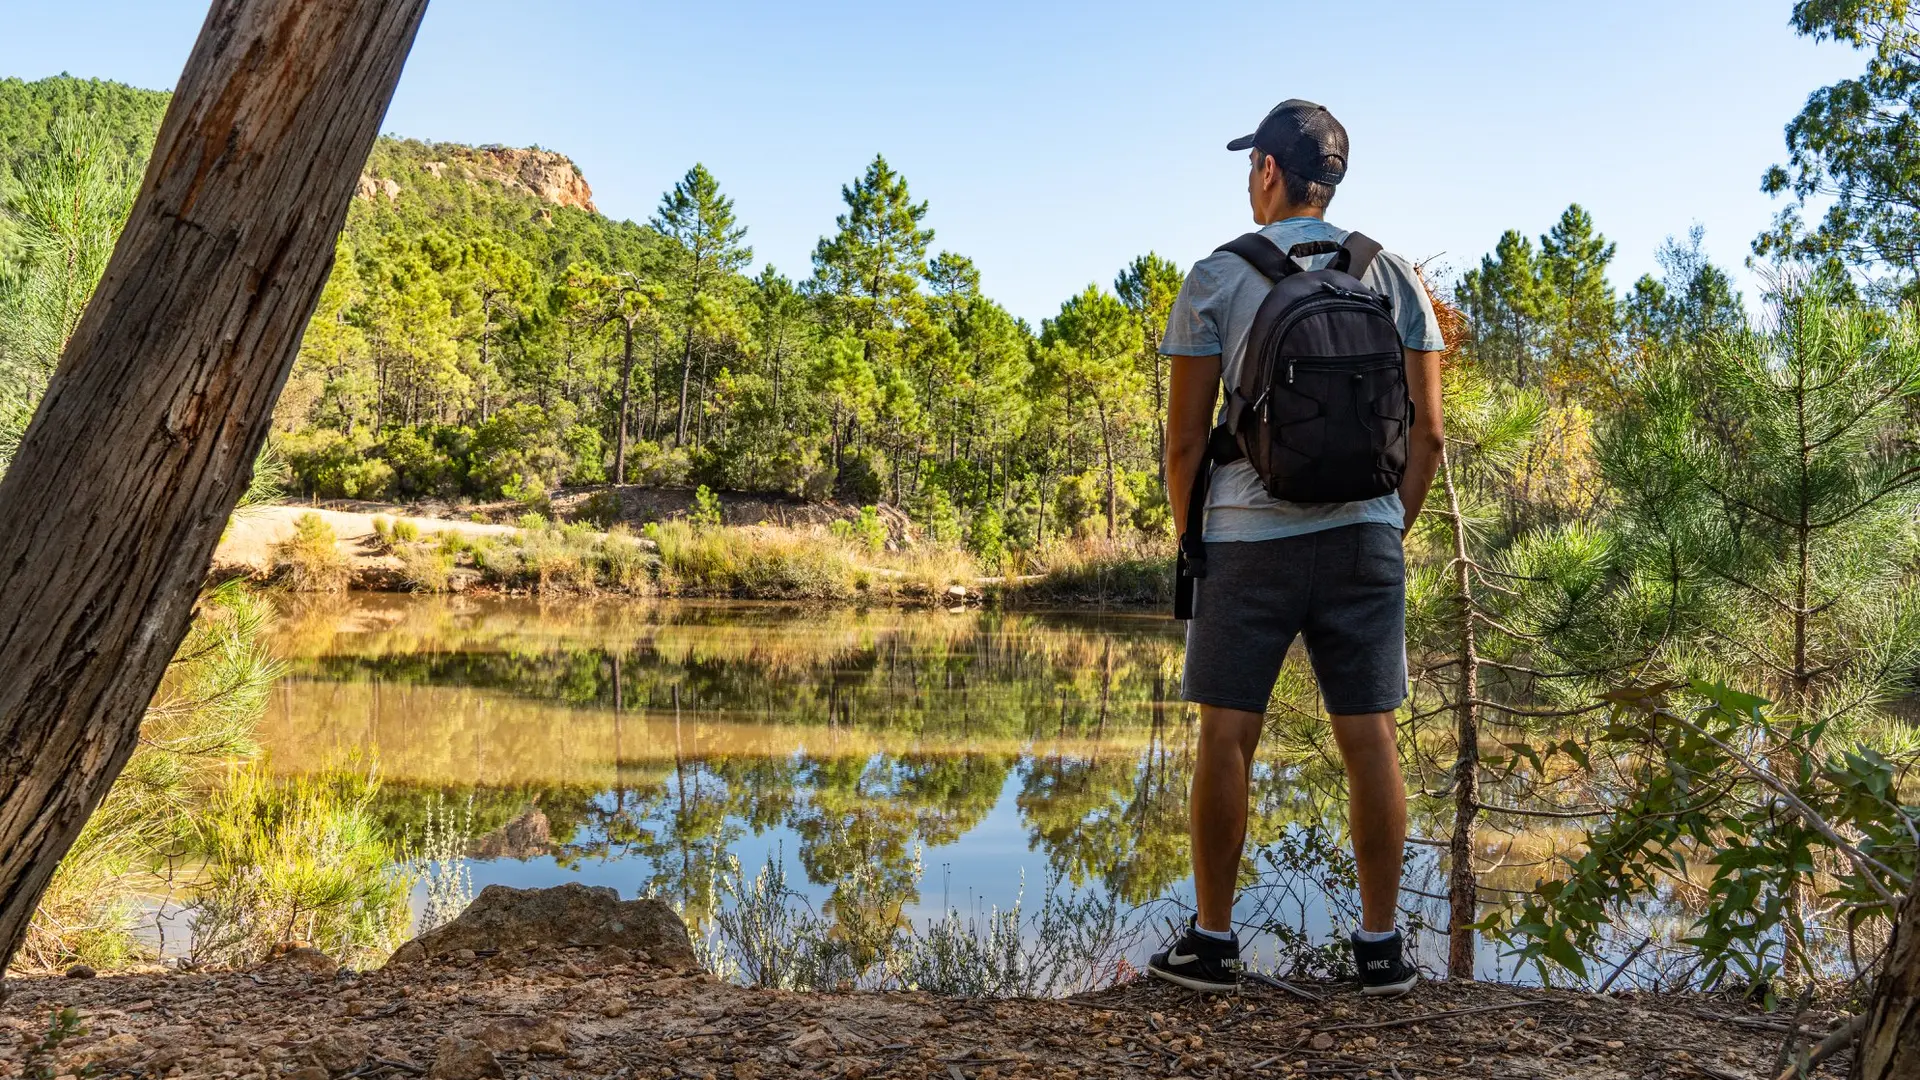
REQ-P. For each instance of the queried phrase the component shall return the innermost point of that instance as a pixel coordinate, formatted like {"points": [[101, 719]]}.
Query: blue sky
{"points": [[1056, 141]]}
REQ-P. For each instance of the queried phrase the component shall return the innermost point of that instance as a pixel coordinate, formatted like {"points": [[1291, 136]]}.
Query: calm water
{"points": [[945, 760]]}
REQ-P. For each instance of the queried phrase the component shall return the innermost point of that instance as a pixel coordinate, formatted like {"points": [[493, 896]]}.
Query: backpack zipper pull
{"points": [[1289, 371]]}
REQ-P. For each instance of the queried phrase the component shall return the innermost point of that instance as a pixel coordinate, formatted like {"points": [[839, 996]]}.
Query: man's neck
{"points": [[1286, 212]]}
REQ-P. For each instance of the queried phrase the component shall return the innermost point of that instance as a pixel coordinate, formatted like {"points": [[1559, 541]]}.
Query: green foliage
{"points": [[300, 861], [64, 1024], [865, 533], [1702, 791], [1851, 151], [1766, 490], [705, 511], [202, 718]]}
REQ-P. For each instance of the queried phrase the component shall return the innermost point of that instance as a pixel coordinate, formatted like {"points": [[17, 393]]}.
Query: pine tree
{"points": [[65, 207], [1509, 306], [1573, 265], [706, 251], [872, 266], [1771, 469], [1088, 353], [1148, 287]]}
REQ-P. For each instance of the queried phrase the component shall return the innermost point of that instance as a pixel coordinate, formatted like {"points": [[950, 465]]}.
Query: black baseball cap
{"points": [[1304, 137]]}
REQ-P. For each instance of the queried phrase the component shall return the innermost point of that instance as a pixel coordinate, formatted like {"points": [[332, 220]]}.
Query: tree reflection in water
{"points": [[649, 744]]}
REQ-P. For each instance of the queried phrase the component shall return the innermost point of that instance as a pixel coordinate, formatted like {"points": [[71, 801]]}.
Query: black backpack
{"points": [[1321, 409]]}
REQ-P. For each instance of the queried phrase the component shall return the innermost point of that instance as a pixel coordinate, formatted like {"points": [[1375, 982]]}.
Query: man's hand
{"points": [[1191, 391]]}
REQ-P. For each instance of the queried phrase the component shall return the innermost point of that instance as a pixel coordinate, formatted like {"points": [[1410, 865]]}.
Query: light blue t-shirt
{"points": [[1212, 317]]}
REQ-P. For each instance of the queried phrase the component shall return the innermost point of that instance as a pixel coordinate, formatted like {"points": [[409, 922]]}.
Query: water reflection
{"points": [[877, 753]]}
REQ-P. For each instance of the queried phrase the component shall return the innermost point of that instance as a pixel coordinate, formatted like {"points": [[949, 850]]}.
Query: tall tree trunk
{"points": [[1106, 449], [1463, 892], [686, 380], [147, 435], [626, 391], [1889, 1046]]}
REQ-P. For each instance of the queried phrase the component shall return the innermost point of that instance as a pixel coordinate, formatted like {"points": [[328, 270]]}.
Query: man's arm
{"points": [[1428, 436], [1191, 391]]}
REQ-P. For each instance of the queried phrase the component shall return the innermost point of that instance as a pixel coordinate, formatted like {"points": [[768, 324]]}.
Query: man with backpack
{"points": [[1292, 502]]}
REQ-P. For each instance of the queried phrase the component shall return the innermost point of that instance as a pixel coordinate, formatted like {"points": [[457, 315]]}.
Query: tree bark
{"points": [[1889, 1046], [147, 435], [1463, 892], [626, 390]]}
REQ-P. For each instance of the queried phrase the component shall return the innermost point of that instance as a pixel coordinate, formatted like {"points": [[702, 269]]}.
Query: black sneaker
{"points": [[1383, 973], [1199, 962]]}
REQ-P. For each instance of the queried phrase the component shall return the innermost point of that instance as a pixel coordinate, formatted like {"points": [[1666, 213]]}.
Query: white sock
{"points": [[1217, 935], [1375, 935]]}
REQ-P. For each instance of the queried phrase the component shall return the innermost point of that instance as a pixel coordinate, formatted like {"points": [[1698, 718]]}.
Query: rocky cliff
{"points": [[548, 176]]}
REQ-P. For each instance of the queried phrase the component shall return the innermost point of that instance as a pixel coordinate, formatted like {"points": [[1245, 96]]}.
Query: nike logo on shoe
{"points": [[1175, 956]]}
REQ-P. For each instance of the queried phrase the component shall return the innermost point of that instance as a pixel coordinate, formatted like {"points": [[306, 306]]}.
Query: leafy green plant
{"points": [[866, 532], [1758, 811], [405, 531], [297, 861], [705, 511], [62, 1025]]}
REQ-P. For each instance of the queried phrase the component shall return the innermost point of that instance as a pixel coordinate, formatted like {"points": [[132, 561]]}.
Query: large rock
{"points": [[503, 918]]}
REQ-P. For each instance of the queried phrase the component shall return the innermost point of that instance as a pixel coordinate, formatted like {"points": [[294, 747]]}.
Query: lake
{"points": [[924, 761]]}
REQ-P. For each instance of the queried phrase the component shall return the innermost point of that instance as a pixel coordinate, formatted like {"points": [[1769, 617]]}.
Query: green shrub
{"points": [[421, 465], [859, 479], [741, 562], [518, 453], [651, 465], [302, 861], [533, 522], [866, 532], [383, 530], [310, 559], [584, 445], [705, 511], [405, 532], [987, 539]]}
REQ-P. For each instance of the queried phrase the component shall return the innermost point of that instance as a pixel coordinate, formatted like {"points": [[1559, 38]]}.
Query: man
{"points": [[1333, 573]]}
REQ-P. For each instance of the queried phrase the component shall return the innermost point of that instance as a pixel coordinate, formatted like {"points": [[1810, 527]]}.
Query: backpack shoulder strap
{"points": [[1358, 253], [1262, 254]]}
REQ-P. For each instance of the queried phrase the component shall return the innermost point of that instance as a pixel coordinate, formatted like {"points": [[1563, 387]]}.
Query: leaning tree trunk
{"points": [[147, 434], [1889, 1046]]}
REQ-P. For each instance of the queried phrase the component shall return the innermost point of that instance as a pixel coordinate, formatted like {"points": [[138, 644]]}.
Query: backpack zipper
{"points": [[1343, 298]]}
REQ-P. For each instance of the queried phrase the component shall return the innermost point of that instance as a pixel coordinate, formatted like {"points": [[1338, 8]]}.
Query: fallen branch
{"points": [[1837, 1040]]}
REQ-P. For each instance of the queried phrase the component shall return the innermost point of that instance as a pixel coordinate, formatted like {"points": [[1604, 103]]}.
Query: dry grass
{"points": [[310, 559]]}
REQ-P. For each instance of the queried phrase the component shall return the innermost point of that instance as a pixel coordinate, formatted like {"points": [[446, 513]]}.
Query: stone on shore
{"points": [[502, 919]]}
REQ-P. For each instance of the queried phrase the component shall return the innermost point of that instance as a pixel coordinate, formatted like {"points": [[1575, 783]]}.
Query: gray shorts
{"points": [[1344, 590]]}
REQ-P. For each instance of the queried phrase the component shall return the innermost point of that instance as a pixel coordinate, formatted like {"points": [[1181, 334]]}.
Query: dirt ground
{"points": [[604, 1015], [247, 546]]}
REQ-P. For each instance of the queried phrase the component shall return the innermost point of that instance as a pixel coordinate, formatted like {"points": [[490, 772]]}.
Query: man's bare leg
{"points": [[1376, 813], [1217, 806]]}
